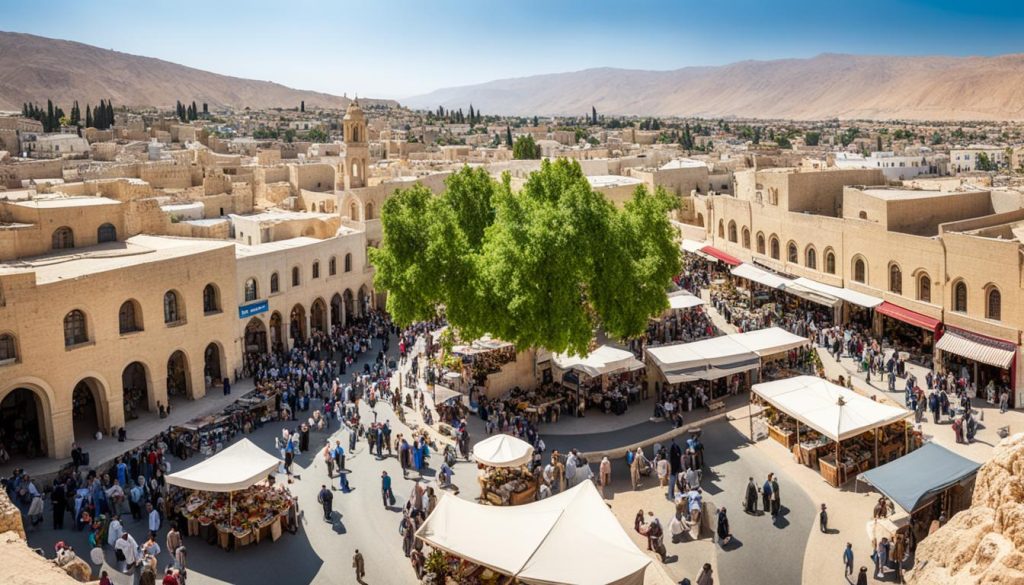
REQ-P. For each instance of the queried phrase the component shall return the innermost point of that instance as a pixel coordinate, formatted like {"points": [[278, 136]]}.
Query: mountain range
{"points": [[826, 86], [35, 69]]}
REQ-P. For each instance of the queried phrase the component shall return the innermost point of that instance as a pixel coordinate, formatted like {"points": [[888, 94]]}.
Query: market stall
{"points": [[718, 357], [926, 485], [606, 378], [570, 538], [223, 499], [830, 427], [504, 477], [990, 364], [909, 331]]}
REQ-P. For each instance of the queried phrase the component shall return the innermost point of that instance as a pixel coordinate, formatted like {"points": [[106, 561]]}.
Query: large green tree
{"points": [[542, 267], [525, 147]]}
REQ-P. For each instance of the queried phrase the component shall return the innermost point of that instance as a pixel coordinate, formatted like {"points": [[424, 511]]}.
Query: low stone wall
{"points": [[10, 516]]}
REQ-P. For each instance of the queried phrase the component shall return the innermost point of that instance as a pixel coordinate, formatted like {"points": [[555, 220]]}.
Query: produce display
{"points": [[247, 510]]}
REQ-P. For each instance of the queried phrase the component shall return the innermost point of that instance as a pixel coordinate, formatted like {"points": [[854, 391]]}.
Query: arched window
{"points": [[830, 262], [63, 238], [251, 290], [994, 308], [75, 331], [924, 288], [106, 233], [211, 300], [721, 228], [895, 279], [746, 238], [760, 243], [348, 262], [732, 231], [791, 253], [369, 211], [171, 309], [774, 244], [128, 318], [316, 269], [811, 258], [860, 270], [275, 284], [295, 276], [332, 266], [353, 211], [8, 349], [960, 297]]}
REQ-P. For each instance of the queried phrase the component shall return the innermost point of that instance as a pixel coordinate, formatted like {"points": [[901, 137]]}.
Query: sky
{"points": [[401, 48]]}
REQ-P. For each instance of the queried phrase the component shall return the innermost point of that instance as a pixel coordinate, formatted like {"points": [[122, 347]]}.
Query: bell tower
{"points": [[357, 152]]}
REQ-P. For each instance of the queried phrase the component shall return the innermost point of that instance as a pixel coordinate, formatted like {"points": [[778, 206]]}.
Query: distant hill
{"points": [[34, 69], [826, 86]]}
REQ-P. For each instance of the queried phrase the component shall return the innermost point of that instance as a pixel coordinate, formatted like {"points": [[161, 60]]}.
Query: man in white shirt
{"points": [[154, 518], [115, 530], [129, 549]]}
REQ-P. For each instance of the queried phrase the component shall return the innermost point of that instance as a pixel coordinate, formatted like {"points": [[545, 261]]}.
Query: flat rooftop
{"points": [[278, 216], [58, 202], [683, 163], [598, 181], [78, 262], [904, 194], [245, 251]]}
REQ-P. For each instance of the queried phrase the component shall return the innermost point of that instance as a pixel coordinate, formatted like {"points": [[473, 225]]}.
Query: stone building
{"points": [[945, 263]]}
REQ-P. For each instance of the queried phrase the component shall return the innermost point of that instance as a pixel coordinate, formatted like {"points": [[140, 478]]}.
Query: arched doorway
{"points": [[276, 339], [135, 387], [179, 380], [363, 308], [256, 336], [318, 315], [22, 423], [336, 308], [87, 410], [297, 323], [212, 369], [350, 305]]}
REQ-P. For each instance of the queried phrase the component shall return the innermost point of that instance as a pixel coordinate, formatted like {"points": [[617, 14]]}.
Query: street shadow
{"points": [[780, 521], [831, 531], [733, 544]]}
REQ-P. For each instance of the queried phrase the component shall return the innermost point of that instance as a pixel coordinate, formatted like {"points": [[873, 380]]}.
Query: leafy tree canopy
{"points": [[542, 267]]}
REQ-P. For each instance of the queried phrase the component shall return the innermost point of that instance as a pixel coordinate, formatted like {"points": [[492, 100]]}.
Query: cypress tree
{"points": [[508, 135], [48, 124], [110, 114], [471, 114], [302, 106], [88, 116], [206, 109]]}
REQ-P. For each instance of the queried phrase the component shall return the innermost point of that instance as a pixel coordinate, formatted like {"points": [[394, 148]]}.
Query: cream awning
{"points": [[235, 468], [977, 348], [503, 451]]}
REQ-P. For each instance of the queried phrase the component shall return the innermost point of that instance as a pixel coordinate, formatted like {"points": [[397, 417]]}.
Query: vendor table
{"points": [[787, 438]]}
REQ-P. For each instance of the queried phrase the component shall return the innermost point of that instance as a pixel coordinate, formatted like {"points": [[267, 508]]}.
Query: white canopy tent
{"points": [[237, 467], [571, 538], [443, 394], [832, 410], [793, 287], [850, 296], [681, 299], [710, 359], [503, 451], [603, 360]]}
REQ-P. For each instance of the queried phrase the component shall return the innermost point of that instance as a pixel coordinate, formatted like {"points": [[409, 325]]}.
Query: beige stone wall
{"points": [[37, 239], [10, 516], [11, 175], [34, 315], [312, 177], [166, 176]]}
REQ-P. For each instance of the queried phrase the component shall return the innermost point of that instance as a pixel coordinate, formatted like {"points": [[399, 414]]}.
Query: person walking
{"points": [[848, 559], [329, 461], [359, 566], [173, 540], [776, 499], [326, 499], [750, 501], [766, 494], [387, 495], [705, 577], [823, 518], [606, 474], [724, 536]]}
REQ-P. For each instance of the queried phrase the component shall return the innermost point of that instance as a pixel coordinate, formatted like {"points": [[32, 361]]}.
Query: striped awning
{"points": [[977, 348]]}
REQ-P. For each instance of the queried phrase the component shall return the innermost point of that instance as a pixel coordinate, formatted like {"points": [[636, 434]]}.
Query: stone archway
{"points": [[135, 389], [318, 315], [363, 308], [88, 414], [350, 305], [337, 305], [213, 367], [297, 323], [276, 335], [23, 421], [256, 336], [179, 377]]}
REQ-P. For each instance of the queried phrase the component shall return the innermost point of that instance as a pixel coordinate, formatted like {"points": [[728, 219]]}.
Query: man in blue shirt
{"points": [[385, 488], [848, 559]]}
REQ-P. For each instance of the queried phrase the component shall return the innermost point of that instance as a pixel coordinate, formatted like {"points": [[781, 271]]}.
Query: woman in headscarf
{"points": [[723, 527]]}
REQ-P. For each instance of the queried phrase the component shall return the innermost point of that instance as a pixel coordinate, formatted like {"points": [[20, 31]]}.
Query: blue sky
{"points": [[398, 48]]}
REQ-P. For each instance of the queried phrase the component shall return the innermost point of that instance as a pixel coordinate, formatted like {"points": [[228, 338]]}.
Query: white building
{"points": [[965, 160], [895, 168]]}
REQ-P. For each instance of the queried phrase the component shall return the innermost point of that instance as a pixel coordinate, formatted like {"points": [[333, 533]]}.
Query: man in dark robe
{"points": [[750, 502]]}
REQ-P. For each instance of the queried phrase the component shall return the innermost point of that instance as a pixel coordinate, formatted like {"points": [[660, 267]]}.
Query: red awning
{"points": [[713, 251], [907, 316]]}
